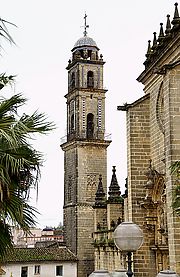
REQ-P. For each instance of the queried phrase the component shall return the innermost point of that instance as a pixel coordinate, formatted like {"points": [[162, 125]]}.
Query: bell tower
{"points": [[85, 151]]}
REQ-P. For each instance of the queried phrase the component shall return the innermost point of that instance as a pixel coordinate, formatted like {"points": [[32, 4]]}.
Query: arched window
{"points": [[90, 125], [90, 79], [72, 83], [69, 192], [72, 123]]}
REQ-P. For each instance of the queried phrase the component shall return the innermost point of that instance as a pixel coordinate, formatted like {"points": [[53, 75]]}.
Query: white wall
{"points": [[48, 269]]}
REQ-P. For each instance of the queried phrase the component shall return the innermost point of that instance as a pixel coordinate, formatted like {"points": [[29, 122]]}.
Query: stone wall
{"points": [[84, 162], [172, 153], [138, 141]]}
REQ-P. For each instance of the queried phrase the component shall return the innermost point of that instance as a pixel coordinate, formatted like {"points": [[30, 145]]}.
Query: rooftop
{"points": [[40, 254], [85, 42]]}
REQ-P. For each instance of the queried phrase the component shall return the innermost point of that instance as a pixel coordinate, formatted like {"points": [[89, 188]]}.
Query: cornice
{"points": [[126, 106]]}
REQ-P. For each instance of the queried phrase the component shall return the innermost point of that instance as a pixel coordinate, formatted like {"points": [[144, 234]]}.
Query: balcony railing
{"points": [[96, 136]]}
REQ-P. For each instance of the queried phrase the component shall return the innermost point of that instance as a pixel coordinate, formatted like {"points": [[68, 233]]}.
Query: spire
{"points": [[149, 51], [168, 26], [85, 25], [114, 189], [171, 29], [154, 41], [161, 34], [176, 19], [100, 194]]}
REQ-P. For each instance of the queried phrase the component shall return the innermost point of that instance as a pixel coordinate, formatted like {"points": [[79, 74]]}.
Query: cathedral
{"points": [[91, 212]]}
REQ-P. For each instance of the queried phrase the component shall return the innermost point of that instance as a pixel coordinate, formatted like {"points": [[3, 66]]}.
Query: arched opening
{"points": [[72, 83], [90, 79], [90, 125], [72, 123], [69, 190]]}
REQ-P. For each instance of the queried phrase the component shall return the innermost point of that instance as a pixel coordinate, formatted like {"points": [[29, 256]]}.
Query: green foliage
{"points": [[175, 170], [19, 165], [5, 80], [5, 239], [19, 161], [176, 200]]}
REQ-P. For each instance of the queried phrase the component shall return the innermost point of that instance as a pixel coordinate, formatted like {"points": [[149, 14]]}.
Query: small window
{"points": [[37, 269], [59, 270], [24, 271]]}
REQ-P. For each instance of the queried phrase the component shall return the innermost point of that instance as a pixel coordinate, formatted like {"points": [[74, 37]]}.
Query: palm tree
{"points": [[19, 161], [19, 167], [175, 170]]}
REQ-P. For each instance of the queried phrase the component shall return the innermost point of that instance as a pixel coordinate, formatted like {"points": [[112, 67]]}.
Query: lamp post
{"points": [[128, 237]]}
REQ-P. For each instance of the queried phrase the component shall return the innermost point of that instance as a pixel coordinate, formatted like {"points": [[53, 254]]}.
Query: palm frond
{"points": [[9, 106], [4, 31], [19, 166], [37, 123], [4, 80], [18, 212], [6, 243]]}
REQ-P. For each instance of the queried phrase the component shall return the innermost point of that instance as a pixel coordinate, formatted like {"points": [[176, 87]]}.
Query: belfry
{"points": [[85, 150]]}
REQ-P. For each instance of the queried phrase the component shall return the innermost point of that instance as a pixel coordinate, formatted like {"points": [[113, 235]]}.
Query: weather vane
{"points": [[85, 25]]}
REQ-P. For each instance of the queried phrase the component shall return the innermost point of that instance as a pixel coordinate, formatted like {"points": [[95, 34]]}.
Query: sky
{"points": [[46, 32]]}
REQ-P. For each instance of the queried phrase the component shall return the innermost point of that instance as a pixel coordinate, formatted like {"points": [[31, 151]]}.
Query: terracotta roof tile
{"points": [[40, 254]]}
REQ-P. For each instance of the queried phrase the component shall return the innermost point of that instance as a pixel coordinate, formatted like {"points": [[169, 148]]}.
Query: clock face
{"points": [[160, 108]]}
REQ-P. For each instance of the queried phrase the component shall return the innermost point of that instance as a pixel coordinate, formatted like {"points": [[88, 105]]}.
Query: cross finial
{"points": [[85, 25]]}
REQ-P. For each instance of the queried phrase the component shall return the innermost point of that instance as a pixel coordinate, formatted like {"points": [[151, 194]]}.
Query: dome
{"points": [[85, 41]]}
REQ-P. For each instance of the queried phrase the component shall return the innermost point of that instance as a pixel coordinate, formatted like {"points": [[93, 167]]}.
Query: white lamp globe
{"points": [[128, 237], [100, 273], [167, 273], [119, 273]]}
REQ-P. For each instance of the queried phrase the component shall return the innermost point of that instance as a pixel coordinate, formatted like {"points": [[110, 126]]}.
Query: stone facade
{"points": [[108, 213], [153, 140], [153, 144], [85, 151]]}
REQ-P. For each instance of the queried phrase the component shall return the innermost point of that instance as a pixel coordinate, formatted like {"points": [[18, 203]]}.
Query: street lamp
{"points": [[128, 237]]}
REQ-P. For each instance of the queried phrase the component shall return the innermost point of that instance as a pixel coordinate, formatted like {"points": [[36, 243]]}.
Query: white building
{"points": [[37, 262], [23, 239]]}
